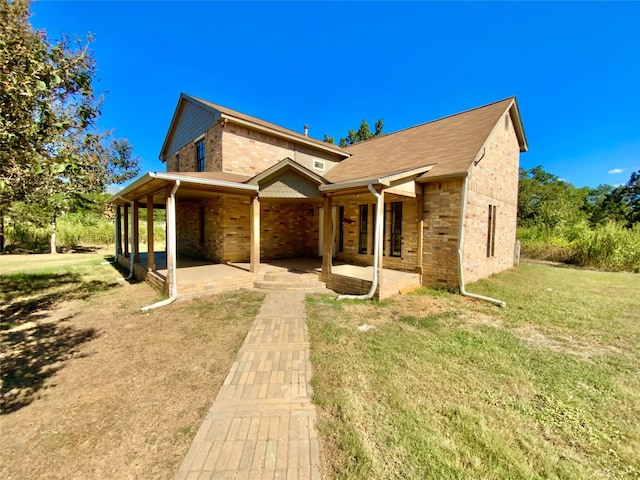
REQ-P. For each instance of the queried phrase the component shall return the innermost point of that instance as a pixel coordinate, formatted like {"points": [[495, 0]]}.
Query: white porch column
{"points": [[420, 227], [380, 232], [135, 247], [327, 234], [172, 255], [118, 232], [151, 261], [126, 230], [254, 228]]}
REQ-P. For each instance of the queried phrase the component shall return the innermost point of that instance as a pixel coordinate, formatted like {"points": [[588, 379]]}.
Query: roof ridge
{"points": [[432, 121]]}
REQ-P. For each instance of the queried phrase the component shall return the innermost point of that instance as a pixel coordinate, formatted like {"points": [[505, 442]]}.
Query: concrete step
{"points": [[290, 277], [290, 281], [316, 285]]}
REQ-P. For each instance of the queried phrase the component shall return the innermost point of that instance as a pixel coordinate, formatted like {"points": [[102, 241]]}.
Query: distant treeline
{"points": [[591, 227]]}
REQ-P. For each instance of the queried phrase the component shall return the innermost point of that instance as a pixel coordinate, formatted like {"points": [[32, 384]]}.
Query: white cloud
{"points": [[616, 171]]}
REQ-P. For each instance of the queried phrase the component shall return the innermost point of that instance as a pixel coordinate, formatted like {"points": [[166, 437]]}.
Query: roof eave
{"points": [[183, 179]]}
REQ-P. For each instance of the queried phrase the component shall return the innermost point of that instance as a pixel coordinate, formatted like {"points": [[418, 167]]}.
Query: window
{"points": [[318, 164], [200, 156], [341, 229], [201, 224], [364, 231], [491, 231], [396, 229]]}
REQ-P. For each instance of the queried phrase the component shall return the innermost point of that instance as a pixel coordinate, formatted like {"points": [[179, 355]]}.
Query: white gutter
{"points": [[377, 229], [463, 292], [147, 177], [171, 246], [354, 184]]}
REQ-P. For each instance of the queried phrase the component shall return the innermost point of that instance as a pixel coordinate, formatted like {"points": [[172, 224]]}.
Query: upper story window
{"points": [[200, 155]]}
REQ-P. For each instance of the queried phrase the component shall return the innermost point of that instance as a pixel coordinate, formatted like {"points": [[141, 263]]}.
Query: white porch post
{"points": [[151, 261], [126, 230], [420, 227], [135, 247], [327, 234], [254, 219], [118, 233], [172, 240], [380, 220]]}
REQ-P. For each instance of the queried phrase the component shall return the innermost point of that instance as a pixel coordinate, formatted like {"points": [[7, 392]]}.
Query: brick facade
{"points": [[248, 152], [185, 159], [441, 214], [408, 259], [493, 181], [290, 228]]}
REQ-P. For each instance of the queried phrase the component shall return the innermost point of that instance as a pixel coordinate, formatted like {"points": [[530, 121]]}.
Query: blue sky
{"points": [[573, 66]]}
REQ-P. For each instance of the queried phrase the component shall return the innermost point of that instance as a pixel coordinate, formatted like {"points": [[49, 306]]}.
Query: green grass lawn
{"points": [[447, 387]]}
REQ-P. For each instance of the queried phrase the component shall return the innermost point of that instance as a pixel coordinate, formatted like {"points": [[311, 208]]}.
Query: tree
{"points": [[545, 200], [363, 133], [50, 148]]}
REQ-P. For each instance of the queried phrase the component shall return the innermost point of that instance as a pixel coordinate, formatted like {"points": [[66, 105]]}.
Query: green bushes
{"points": [[72, 230], [609, 246]]}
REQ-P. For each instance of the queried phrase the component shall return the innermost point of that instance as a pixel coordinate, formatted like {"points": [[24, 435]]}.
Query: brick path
{"points": [[262, 424]]}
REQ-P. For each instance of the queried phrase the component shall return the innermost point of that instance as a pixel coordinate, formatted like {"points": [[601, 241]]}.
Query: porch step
{"points": [[290, 281]]}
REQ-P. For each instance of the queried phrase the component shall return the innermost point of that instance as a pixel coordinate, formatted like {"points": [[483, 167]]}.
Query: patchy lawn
{"points": [[433, 385], [93, 388]]}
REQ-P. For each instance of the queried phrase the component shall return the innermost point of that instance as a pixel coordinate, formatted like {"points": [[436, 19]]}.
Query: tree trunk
{"points": [[1, 231], [52, 241]]}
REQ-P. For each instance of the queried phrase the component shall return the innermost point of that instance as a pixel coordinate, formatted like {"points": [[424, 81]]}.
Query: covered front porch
{"points": [[225, 232], [198, 277]]}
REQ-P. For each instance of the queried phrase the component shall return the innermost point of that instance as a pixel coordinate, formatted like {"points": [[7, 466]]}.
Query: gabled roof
{"points": [[284, 165], [450, 144], [247, 120]]}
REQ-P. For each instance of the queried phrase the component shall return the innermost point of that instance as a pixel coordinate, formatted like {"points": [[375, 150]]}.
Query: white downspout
{"points": [[377, 229], [463, 292], [171, 220]]}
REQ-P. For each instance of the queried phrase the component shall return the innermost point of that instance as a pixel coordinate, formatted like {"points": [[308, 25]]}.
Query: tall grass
{"points": [[608, 247], [71, 231]]}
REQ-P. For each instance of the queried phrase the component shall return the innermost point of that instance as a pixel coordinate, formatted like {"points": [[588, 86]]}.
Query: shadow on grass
{"points": [[32, 355], [27, 297]]}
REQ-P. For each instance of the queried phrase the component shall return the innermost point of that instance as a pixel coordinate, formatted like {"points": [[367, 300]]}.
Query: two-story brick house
{"points": [[442, 196]]}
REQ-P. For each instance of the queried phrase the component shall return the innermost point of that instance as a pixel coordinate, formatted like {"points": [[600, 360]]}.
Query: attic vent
{"points": [[318, 165]]}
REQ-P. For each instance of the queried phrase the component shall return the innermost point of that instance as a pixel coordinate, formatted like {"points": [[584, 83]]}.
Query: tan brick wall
{"points": [[247, 152], [212, 156], [494, 181], [288, 230], [188, 229], [441, 203], [236, 234], [409, 255]]}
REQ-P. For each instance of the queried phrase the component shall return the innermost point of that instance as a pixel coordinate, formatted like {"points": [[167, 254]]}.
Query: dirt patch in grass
{"points": [[93, 388]]}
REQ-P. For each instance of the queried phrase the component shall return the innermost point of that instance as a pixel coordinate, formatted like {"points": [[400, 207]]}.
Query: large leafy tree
{"points": [[363, 133], [50, 148], [547, 201]]}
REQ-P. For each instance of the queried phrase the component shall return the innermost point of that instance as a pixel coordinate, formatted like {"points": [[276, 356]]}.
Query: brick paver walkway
{"points": [[262, 424]]}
